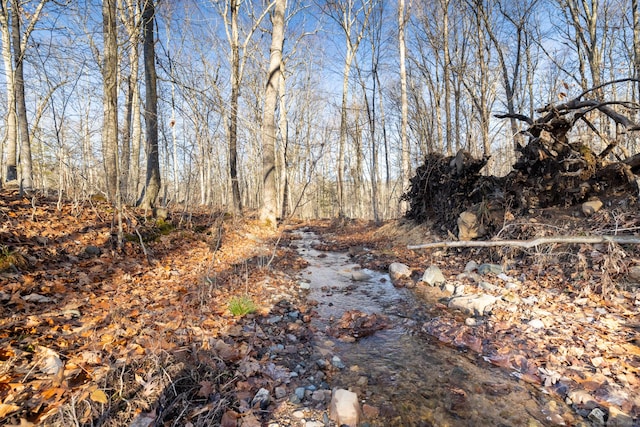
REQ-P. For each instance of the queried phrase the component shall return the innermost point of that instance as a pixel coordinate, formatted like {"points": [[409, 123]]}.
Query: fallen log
{"points": [[634, 240]]}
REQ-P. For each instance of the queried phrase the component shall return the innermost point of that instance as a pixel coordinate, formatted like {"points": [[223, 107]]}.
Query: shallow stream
{"points": [[411, 379]]}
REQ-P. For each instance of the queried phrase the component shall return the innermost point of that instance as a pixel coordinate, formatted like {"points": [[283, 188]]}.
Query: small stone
{"points": [[261, 398], [345, 408], [298, 414], [449, 288], [92, 250], [362, 381], [335, 361], [536, 324], [634, 273], [470, 321], [314, 423], [478, 304], [280, 392], [299, 392], [359, 276], [304, 285], [592, 206], [398, 271], [597, 416], [318, 396], [471, 266], [433, 275], [490, 268]]}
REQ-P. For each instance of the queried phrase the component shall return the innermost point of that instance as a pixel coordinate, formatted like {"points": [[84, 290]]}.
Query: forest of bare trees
{"points": [[312, 109]]}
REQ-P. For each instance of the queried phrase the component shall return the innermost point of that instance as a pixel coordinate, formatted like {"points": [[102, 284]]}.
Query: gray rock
{"points": [[634, 273], [397, 271], [345, 408], [280, 392], [478, 304], [592, 206], [433, 275], [597, 416], [359, 276], [471, 266], [318, 395], [299, 393], [314, 423], [490, 268], [335, 361], [261, 398], [304, 285], [92, 250], [449, 288], [470, 321]]}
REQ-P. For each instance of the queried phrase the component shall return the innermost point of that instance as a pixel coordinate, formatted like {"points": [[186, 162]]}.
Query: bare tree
{"points": [[11, 19], [352, 16], [230, 10], [132, 127], [636, 43], [269, 197], [404, 103], [110, 97], [153, 183]]}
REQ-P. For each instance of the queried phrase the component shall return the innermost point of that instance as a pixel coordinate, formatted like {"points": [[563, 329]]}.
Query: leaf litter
{"points": [[144, 336]]}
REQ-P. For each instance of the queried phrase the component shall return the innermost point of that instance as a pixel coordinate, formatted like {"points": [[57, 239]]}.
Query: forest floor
{"points": [[150, 334]]}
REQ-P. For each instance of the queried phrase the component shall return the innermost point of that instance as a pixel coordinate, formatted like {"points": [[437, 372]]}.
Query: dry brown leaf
{"points": [[99, 396], [6, 409]]}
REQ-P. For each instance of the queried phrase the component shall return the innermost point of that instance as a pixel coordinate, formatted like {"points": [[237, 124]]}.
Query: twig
{"points": [[529, 243], [144, 249]]}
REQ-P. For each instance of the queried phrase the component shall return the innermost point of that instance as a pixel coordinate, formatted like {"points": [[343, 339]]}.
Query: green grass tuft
{"points": [[241, 306]]}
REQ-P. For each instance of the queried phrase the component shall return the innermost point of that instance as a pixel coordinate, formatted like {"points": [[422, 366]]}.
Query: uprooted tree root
{"points": [[551, 170]]}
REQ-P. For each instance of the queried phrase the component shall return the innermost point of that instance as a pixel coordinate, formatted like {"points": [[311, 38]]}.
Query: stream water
{"points": [[411, 379]]}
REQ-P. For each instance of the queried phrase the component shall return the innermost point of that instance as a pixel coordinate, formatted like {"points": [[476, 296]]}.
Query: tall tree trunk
{"points": [[284, 132], [26, 169], [11, 174], [270, 194], [129, 164], [446, 77], [233, 119], [343, 130], [110, 97], [151, 107], [636, 44], [404, 106]]}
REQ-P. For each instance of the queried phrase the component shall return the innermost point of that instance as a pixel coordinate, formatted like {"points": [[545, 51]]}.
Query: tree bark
{"points": [[26, 169], [11, 174], [153, 183], [110, 98], [405, 166], [270, 195], [636, 45], [233, 119]]}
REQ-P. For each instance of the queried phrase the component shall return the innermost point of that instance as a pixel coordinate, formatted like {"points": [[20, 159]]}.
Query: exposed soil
{"points": [[93, 335]]}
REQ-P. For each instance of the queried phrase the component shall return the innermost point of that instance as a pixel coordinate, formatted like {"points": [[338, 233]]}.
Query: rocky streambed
{"points": [[370, 335]]}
